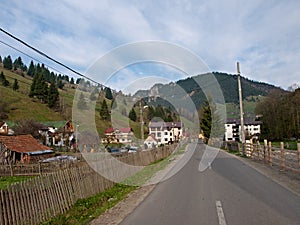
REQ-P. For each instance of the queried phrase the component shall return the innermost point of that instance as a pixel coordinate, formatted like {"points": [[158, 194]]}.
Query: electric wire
{"points": [[48, 57]]}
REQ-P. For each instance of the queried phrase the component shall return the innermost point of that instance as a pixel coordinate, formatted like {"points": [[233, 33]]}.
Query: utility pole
{"points": [[241, 108], [142, 123]]}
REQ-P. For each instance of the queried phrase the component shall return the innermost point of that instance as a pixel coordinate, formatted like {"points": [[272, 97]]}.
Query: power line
{"points": [[48, 57], [18, 50]]}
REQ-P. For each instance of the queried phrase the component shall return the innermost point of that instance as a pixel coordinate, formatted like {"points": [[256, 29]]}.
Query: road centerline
{"points": [[220, 213]]}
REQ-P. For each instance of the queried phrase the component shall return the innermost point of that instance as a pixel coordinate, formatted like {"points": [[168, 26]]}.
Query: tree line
{"points": [[45, 83], [280, 114]]}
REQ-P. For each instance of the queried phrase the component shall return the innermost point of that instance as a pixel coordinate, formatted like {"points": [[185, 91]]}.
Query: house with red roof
{"points": [[118, 135], [22, 148]]}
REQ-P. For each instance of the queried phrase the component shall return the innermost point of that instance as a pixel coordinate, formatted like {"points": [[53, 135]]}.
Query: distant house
{"points": [[233, 129], [3, 127], [166, 132], [151, 142], [118, 135], [22, 148], [58, 134]]}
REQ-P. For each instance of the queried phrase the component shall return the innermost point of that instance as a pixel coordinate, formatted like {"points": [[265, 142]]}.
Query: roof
{"points": [[2, 123], [151, 138], [109, 130], [24, 144], [167, 125], [122, 130], [247, 121]]}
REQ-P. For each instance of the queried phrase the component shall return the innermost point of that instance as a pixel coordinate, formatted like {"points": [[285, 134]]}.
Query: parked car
{"points": [[114, 151], [60, 158], [124, 149]]}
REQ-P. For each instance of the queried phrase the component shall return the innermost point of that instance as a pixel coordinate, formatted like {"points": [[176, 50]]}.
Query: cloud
{"points": [[262, 35]]}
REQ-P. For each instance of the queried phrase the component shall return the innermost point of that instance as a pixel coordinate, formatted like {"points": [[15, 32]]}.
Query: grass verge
{"points": [[85, 210], [6, 181], [141, 177]]}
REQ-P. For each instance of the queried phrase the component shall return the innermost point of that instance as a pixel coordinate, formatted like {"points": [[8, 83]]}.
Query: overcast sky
{"points": [[264, 36]]}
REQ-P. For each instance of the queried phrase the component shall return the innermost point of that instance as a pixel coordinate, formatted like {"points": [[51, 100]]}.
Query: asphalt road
{"points": [[227, 193]]}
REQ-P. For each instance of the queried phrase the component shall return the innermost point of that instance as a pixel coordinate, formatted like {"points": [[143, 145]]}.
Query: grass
{"points": [[6, 181], [18, 103], [90, 208], [85, 210], [290, 145], [141, 177]]}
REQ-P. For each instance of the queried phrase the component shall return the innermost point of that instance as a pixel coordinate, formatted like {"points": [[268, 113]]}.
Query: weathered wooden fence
{"points": [[284, 158], [42, 197], [35, 168]]}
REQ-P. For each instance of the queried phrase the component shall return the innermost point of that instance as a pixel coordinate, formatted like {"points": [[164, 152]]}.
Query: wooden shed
{"points": [[22, 148]]}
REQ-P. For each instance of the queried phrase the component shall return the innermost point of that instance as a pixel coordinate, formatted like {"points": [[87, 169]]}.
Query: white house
{"points": [[151, 142], [166, 132], [118, 135], [3, 127], [63, 135], [233, 128]]}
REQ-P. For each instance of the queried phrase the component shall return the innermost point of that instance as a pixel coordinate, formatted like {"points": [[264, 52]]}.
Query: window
{"points": [[166, 133], [166, 139], [158, 134]]}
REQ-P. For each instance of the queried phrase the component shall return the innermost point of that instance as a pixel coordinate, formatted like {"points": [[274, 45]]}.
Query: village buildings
{"points": [[118, 135], [233, 129], [166, 132]]}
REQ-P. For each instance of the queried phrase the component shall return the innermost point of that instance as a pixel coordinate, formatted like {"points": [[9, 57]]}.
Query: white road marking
{"points": [[209, 165], [220, 213]]}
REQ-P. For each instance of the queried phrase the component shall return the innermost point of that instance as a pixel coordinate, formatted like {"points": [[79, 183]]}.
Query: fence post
{"points": [[298, 146], [282, 156], [265, 150], [270, 153], [11, 170], [258, 150]]}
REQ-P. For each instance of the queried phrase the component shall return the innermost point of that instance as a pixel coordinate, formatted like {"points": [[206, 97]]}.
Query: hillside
{"points": [[228, 84], [17, 105]]}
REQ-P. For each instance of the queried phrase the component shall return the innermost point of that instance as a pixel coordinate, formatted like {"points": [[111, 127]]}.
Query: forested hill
{"points": [[228, 84]]}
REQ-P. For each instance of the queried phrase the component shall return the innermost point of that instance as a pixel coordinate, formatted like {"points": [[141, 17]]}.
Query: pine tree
{"points": [[3, 80], [72, 81], [60, 84], [206, 119], [53, 96], [33, 84], [39, 88], [132, 115], [108, 93], [31, 69], [2, 77], [15, 85], [104, 112], [7, 63], [18, 63]]}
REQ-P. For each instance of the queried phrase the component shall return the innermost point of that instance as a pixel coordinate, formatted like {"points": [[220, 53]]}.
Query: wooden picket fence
{"points": [[281, 157], [45, 196]]}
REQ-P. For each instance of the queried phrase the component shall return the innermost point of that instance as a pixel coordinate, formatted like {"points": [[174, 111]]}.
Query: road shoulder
{"points": [[288, 179]]}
